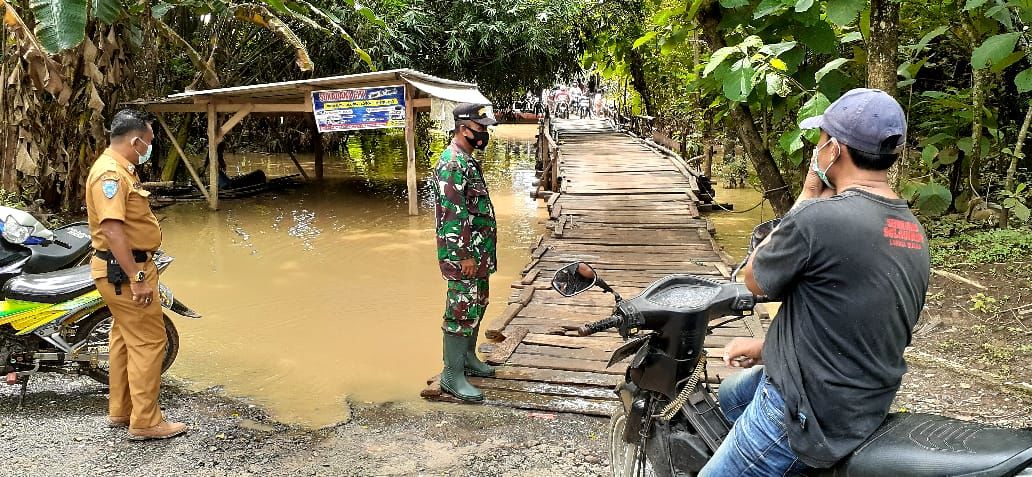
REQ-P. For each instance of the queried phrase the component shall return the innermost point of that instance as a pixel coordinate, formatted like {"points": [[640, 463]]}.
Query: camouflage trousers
{"points": [[464, 308]]}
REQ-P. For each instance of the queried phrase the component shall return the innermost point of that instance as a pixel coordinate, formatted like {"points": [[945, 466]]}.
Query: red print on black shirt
{"points": [[903, 234]]}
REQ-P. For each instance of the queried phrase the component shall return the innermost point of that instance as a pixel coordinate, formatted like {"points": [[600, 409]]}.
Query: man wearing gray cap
{"points": [[850, 264]]}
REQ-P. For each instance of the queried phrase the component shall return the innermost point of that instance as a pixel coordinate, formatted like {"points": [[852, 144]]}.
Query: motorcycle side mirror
{"points": [[759, 233], [574, 279]]}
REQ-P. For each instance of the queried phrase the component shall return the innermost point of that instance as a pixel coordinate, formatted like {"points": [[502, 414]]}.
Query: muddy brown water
{"points": [[331, 292], [734, 228]]}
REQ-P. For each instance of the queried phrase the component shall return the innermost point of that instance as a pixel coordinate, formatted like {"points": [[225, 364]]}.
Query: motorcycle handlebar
{"points": [[600, 325]]}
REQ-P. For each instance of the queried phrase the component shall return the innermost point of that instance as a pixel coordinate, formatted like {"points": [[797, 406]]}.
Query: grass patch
{"points": [[982, 246]]}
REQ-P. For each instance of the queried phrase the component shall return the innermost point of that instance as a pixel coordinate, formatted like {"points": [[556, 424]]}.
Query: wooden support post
{"points": [[186, 160], [317, 142], [213, 158], [320, 153], [410, 148]]}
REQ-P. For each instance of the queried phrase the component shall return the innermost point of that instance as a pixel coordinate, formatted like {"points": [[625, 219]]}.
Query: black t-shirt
{"points": [[852, 272]]}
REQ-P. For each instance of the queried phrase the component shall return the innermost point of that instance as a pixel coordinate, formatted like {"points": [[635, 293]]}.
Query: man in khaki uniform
{"points": [[125, 234]]}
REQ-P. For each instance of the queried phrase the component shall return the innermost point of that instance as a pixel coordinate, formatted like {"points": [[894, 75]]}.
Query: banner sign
{"points": [[359, 108]]}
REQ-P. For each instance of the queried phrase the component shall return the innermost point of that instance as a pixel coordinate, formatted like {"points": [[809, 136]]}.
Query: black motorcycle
{"points": [[668, 422], [27, 246]]}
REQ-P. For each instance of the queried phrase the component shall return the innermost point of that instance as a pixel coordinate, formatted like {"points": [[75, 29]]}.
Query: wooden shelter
{"points": [[295, 97]]}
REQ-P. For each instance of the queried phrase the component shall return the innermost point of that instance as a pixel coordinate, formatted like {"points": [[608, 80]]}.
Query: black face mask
{"points": [[479, 139]]}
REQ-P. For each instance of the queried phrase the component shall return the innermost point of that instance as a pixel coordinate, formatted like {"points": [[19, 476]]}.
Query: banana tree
{"points": [[83, 56]]}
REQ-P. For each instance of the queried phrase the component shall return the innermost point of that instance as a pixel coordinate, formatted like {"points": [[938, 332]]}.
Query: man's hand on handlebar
{"points": [[743, 353]]}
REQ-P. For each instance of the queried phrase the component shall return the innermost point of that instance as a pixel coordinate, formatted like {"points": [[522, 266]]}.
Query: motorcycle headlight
{"points": [[15, 232]]}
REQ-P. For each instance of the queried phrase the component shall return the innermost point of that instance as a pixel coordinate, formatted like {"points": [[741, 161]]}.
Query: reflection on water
{"points": [[733, 228], [331, 291]]}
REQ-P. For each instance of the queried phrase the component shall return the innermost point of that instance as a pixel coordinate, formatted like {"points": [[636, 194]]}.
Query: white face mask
{"points": [[816, 167], [146, 155]]}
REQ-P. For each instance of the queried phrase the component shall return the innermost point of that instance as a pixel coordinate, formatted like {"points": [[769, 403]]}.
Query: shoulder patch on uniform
{"points": [[110, 187]]}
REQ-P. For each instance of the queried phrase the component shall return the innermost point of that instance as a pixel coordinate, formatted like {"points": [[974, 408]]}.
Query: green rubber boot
{"points": [[474, 366], [453, 380]]}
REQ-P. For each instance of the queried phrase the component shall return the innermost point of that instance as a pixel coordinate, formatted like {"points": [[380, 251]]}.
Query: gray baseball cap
{"points": [[864, 119]]}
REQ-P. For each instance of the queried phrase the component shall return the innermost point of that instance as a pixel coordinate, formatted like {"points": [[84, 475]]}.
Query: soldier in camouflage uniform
{"points": [[466, 244]]}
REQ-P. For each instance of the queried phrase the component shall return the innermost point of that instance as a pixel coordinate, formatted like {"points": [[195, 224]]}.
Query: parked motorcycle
{"points": [[27, 246], [57, 321], [668, 422]]}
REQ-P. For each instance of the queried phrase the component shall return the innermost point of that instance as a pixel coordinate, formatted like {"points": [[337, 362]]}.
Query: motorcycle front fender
{"points": [[180, 309], [171, 303]]}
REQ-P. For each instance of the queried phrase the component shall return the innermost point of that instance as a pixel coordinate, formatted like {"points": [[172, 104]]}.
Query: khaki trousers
{"points": [[136, 352]]}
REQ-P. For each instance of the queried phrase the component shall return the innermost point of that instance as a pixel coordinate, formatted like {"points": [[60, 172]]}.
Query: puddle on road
{"points": [[332, 291]]}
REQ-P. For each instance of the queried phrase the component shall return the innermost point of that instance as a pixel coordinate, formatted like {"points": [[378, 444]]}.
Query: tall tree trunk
{"points": [[883, 45], [980, 82], [637, 66], [779, 194], [1012, 169], [1019, 145]]}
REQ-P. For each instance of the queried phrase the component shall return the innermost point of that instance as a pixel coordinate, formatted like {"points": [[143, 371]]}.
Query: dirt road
{"points": [[61, 432]]}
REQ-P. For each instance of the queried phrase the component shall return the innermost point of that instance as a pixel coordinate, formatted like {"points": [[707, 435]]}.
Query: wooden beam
{"points": [[421, 103], [298, 165], [233, 121], [317, 145], [410, 147], [186, 159], [213, 158], [229, 108]]}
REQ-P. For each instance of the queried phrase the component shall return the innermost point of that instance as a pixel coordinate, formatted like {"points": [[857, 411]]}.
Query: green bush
{"points": [[983, 246]]}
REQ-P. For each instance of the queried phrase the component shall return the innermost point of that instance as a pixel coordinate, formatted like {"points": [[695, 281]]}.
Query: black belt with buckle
{"points": [[115, 274], [139, 256]]}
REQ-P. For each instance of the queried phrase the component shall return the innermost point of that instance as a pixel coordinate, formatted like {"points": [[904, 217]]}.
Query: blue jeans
{"points": [[758, 442]]}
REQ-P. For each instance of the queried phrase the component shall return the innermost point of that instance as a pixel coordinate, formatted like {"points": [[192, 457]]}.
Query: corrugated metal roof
{"points": [[297, 91]]}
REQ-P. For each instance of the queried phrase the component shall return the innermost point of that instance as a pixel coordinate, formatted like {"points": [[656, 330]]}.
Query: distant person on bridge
{"points": [[466, 248]]}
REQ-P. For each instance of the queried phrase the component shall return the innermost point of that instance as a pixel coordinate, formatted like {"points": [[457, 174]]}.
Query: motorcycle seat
{"points": [[55, 257], [53, 287], [924, 445]]}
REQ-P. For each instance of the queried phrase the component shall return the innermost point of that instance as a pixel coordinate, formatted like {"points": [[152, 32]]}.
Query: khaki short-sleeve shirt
{"points": [[113, 192]]}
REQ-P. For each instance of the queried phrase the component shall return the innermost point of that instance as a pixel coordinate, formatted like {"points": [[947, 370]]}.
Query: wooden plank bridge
{"points": [[633, 214]]}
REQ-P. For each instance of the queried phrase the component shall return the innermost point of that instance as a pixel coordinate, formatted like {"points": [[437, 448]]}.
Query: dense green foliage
{"points": [[507, 47], [963, 75]]}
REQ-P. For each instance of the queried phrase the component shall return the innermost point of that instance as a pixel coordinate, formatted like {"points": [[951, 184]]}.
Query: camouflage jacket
{"points": [[466, 226]]}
